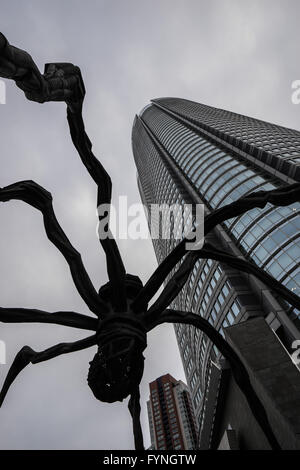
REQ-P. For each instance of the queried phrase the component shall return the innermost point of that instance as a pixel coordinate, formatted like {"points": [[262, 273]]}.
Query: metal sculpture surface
{"points": [[123, 318]]}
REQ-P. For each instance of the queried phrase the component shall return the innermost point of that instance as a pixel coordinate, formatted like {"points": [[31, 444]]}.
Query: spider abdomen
{"points": [[118, 365]]}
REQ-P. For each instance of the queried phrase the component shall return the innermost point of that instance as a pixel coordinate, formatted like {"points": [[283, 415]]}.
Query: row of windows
{"points": [[197, 398], [269, 137]]}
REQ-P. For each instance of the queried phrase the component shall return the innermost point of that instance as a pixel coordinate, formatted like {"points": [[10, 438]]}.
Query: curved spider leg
{"points": [[156, 280], [179, 279], [279, 197], [283, 196], [27, 355], [18, 65], [35, 195], [115, 267], [210, 252], [135, 411], [239, 371], [173, 287], [26, 315]]}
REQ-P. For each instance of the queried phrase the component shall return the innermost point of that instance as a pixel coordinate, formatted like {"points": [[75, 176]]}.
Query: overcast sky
{"points": [[237, 55]]}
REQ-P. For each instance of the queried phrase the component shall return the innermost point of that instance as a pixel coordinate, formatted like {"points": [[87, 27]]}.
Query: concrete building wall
{"points": [[276, 380]]}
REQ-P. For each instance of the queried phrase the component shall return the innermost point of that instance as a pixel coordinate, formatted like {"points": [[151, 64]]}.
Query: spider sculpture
{"points": [[122, 317]]}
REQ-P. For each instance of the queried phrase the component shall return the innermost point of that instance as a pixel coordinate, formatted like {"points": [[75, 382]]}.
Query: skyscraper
{"points": [[171, 415], [189, 153]]}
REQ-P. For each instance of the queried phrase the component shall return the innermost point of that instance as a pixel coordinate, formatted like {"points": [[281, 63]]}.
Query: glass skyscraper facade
{"points": [[189, 153]]}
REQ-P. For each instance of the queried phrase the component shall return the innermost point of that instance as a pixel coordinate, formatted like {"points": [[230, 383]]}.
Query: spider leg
{"points": [[174, 286], [158, 277], [279, 197], [25, 315], [283, 196], [115, 267], [135, 411], [239, 371], [179, 279], [27, 355], [36, 196], [210, 252]]}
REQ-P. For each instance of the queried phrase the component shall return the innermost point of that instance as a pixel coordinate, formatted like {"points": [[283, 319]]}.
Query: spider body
{"points": [[121, 305], [121, 339], [117, 367]]}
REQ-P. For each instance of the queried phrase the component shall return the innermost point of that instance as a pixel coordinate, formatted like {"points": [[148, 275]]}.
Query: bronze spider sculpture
{"points": [[122, 317]]}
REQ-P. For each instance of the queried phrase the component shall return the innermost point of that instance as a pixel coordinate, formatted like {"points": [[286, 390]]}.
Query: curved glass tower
{"points": [[189, 153]]}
